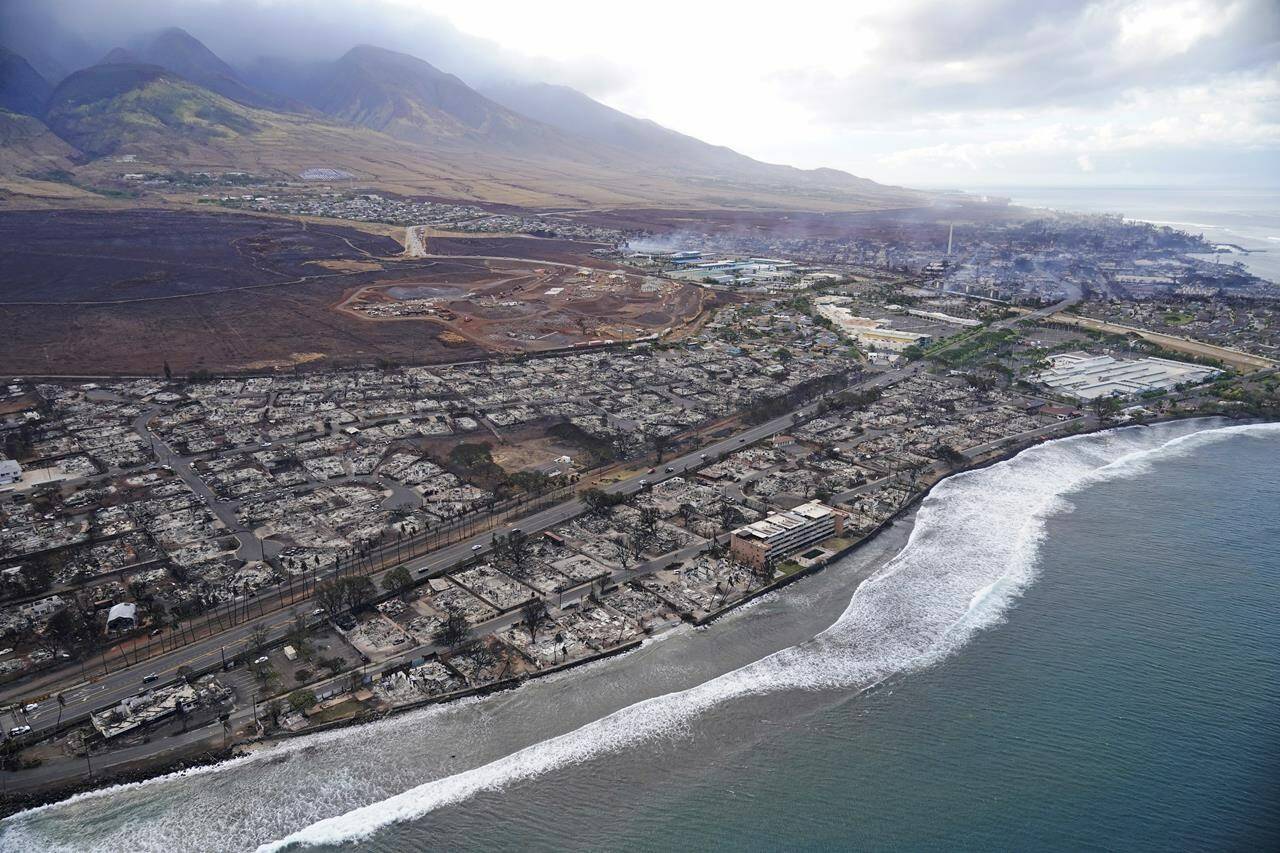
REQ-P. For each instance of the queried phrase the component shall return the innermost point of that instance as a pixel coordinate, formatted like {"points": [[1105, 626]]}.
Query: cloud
{"points": [[240, 31], [910, 91], [1238, 112], [1013, 55]]}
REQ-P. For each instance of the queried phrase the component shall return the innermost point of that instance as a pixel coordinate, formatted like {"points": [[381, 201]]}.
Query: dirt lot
{"points": [[90, 293], [530, 307]]}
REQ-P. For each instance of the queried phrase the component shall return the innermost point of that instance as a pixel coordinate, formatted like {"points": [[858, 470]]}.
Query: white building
{"points": [[967, 322], [866, 331], [1085, 376], [122, 616], [765, 542], [10, 472]]}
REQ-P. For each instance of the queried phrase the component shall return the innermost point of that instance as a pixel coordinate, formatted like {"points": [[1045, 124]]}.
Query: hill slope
{"points": [[178, 51], [396, 122], [105, 108], [575, 113], [27, 146], [410, 99], [22, 89]]}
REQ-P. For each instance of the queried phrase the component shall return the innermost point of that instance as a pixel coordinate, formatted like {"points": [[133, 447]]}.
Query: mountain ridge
{"points": [[391, 117]]}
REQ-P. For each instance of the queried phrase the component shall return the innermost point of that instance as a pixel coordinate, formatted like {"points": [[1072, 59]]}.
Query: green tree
{"points": [[397, 580], [300, 700], [600, 503]]}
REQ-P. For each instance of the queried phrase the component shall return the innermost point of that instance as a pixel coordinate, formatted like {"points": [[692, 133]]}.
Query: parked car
{"points": [[260, 660], [157, 632], [319, 611]]}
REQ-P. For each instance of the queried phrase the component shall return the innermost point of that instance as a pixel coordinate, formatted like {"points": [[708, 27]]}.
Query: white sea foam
{"points": [[971, 554]]}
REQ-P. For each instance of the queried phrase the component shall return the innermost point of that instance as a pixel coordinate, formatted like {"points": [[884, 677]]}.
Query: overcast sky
{"points": [[988, 92], [918, 92]]}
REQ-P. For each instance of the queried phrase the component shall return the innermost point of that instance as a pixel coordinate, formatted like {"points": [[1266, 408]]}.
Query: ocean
{"points": [[1074, 649], [1249, 218]]}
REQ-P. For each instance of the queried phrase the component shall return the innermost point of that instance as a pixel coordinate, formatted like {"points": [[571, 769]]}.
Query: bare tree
{"points": [[513, 553], [646, 527], [453, 630], [661, 441], [622, 549], [532, 614], [258, 638]]}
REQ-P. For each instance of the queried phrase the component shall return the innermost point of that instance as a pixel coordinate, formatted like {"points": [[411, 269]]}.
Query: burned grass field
{"points": [[92, 293], [80, 256]]}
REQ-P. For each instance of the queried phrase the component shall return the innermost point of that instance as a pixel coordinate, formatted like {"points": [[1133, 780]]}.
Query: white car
{"points": [[260, 660], [31, 707], [19, 730], [476, 547]]}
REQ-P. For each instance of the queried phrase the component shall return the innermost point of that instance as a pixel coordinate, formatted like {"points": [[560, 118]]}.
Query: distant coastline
{"points": [[1247, 219]]}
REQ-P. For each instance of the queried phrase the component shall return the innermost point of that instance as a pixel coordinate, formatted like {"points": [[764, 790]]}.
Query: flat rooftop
{"points": [[1088, 376], [781, 522]]}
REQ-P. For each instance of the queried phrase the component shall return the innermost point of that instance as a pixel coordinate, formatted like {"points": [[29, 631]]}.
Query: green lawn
{"points": [[788, 567]]}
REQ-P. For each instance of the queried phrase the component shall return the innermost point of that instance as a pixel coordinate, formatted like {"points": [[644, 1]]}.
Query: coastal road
{"points": [[1041, 432], [208, 653]]}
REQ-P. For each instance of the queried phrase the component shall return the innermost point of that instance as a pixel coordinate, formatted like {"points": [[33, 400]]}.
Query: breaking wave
{"points": [[972, 552]]}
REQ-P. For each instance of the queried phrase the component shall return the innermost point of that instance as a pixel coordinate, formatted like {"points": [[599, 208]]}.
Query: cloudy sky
{"points": [[920, 92], [954, 92]]}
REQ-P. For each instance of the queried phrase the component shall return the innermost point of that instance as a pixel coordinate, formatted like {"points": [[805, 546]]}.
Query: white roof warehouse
{"points": [[1087, 376]]}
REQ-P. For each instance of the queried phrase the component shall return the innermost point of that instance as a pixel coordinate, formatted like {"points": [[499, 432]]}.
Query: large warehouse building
{"points": [[1087, 376]]}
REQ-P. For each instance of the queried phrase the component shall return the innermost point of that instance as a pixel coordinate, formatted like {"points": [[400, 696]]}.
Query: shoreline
{"points": [[199, 754]]}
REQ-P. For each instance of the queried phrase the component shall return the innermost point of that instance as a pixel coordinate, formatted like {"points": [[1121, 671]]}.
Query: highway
{"points": [[208, 653]]}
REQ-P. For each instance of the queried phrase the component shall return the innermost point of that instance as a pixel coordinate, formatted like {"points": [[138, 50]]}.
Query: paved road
{"points": [[250, 548], [207, 653]]}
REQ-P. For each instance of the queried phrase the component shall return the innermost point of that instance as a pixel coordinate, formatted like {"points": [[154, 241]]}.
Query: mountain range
{"points": [[394, 121]]}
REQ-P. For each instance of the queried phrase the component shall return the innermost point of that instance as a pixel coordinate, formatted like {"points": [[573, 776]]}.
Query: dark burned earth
{"points": [[89, 293]]}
